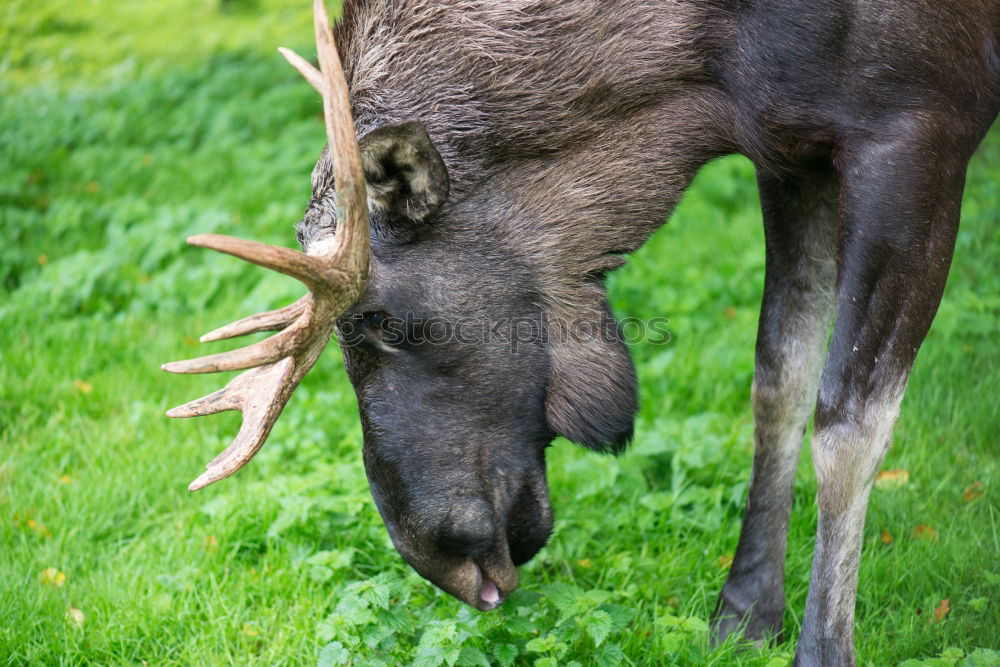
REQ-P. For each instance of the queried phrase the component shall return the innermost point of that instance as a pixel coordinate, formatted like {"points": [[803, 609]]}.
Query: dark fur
{"points": [[559, 135]]}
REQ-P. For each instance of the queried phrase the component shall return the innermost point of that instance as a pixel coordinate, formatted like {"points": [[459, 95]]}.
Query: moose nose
{"points": [[486, 575]]}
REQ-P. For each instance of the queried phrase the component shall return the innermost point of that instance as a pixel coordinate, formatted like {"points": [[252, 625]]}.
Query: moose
{"points": [[494, 161]]}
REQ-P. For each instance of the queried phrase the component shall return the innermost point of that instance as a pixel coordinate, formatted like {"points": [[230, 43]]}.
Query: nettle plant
{"points": [[553, 626]]}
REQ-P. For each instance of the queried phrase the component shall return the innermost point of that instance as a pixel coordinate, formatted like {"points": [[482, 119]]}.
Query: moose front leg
{"points": [[900, 215], [800, 226]]}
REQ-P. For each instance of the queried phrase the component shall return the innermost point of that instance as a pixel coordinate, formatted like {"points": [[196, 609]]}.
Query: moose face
{"points": [[461, 376]]}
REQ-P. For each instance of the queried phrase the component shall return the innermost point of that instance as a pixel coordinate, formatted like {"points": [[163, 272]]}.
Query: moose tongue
{"points": [[489, 593]]}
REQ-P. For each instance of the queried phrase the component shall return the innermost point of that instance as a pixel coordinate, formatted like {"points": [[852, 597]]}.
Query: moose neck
{"points": [[563, 124], [579, 212]]}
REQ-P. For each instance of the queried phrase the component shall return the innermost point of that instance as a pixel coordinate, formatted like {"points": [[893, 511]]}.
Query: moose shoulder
{"points": [[513, 152]]}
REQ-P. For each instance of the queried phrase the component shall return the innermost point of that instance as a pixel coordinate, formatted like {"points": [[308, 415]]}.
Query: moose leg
{"points": [[800, 225], [899, 220]]}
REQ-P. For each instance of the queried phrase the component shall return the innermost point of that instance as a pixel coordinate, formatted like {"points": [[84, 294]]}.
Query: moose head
{"points": [[464, 367]]}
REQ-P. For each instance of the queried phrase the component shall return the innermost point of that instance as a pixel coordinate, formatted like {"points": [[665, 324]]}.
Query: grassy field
{"points": [[125, 128]]}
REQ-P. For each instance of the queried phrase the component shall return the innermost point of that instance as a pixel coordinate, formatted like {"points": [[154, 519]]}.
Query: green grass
{"points": [[123, 131]]}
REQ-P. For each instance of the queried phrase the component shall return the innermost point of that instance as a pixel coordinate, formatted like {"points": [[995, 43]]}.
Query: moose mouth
{"points": [[489, 597]]}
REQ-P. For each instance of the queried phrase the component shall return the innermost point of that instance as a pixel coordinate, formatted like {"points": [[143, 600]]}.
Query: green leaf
{"points": [[375, 592], [439, 633], [694, 625], [562, 596], [979, 604], [519, 625], [398, 621], [541, 644], [598, 626], [668, 621], [522, 598], [336, 560], [354, 611], [505, 654], [472, 657], [332, 654], [621, 616], [982, 657], [609, 655], [779, 661], [436, 656], [594, 598], [373, 635], [685, 624]]}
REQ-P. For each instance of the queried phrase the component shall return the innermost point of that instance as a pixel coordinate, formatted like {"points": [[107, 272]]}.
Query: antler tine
{"points": [[260, 394], [352, 199], [351, 248], [305, 68], [335, 277], [272, 320], [292, 263], [267, 351]]}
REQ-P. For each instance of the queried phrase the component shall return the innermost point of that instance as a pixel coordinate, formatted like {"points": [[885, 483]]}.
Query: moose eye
{"points": [[383, 328], [376, 319]]}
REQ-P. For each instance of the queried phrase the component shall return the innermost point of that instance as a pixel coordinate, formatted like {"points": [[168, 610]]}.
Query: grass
{"points": [[122, 132]]}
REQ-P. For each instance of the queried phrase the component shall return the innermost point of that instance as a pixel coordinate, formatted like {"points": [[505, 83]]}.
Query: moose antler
{"points": [[335, 280]]}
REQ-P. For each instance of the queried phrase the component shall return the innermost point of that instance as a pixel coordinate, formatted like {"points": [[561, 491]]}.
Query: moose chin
{"points": [[491, 162]]}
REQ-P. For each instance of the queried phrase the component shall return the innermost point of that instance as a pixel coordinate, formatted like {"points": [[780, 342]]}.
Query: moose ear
{"points": [[592, 395], [407, 179]]}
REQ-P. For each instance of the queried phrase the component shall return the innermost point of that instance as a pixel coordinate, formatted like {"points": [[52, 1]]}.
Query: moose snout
{"points": [[463, 516], [472, 551], [468, 555], [483, 585]]}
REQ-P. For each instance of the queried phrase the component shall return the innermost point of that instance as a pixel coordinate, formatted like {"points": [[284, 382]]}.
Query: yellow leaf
{"points": [[886, 537], [725, 561], [50, 576], [211, 543], [74, 617], [891, 479], [65, 479], [249, 630], [924, 532], [941, 610], [82, 387], [43, 259], [585, 563], [974, 492]]}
